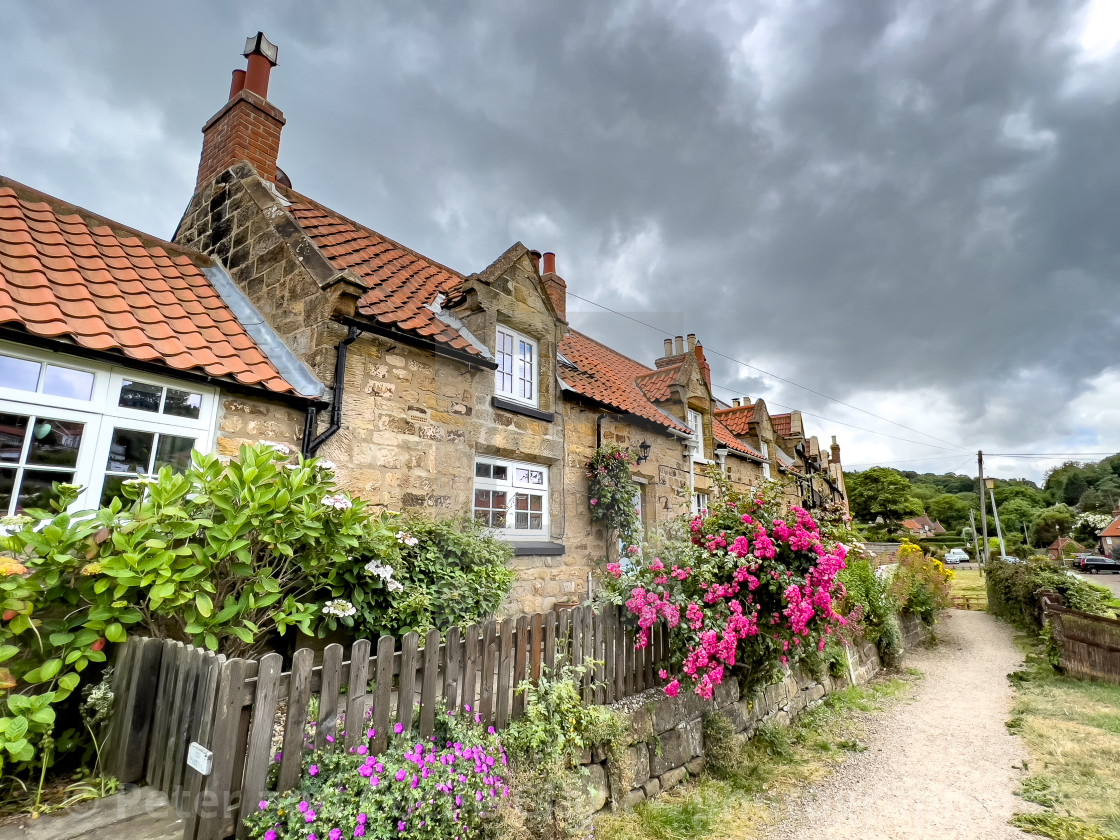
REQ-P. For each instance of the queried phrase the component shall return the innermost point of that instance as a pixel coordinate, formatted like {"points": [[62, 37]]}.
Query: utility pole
{"points": [[975, 537], [999, 530], [983, 504]]}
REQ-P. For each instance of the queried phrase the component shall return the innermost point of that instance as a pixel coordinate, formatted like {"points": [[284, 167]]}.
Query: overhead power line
{"points": [[783, 379]]}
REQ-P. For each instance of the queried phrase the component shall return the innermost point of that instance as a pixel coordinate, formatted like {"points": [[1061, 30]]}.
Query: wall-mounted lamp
{"points": [[643, 451]]}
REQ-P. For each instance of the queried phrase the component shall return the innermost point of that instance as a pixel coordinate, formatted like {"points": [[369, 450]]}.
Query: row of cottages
{"points": [[273, 317]]}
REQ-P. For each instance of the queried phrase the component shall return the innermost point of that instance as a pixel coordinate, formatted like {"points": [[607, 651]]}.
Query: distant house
{"points": [[1109, 537], [1061, 546], [923, 526]]}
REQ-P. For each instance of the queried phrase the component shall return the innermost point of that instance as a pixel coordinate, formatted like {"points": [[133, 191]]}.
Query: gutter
{"points": [[419, 341]]}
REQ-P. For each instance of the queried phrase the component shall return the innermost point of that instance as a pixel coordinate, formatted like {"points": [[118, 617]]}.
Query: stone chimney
{"points": [[555, 286], [835, 457], [247, 127]]}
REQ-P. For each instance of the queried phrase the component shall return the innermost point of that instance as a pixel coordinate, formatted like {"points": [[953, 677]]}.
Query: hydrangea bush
{"points": [[444, 787], [749, 589]]}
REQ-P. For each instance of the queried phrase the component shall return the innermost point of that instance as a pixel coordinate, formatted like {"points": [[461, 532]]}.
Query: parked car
{"points": [[954, 556], [1095, 564]]}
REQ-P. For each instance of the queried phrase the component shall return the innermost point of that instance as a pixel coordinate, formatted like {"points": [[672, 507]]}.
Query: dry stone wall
{"points": [[666, 741]]}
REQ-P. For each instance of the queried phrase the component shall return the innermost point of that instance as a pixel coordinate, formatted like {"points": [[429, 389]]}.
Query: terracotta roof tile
{"points": [[656, 385], [783, 424], [402, 282], [1112, 529], [71, 275], [724, 435], [606, 376], [737, 419]]}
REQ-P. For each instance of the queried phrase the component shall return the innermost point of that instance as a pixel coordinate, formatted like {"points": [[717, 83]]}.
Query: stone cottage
{"points": [[120, 354]]}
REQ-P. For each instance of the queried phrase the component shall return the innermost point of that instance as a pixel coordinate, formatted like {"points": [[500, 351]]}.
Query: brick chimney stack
{"points": [[835, 458], [247, 127], [555, 286]]}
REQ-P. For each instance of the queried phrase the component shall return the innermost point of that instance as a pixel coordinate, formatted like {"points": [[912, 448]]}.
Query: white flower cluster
{"points": [[140, 480], [282, 448], [339, 608], [1095, 520], [338, 501], [385, 573], [406, 539]]}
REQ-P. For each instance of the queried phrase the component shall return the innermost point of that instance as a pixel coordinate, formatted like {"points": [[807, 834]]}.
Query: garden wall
{"points": [[666, 743]]}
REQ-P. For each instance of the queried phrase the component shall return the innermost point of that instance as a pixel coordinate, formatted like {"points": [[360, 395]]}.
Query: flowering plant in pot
{"points": [[611, 490], [744, 589]]}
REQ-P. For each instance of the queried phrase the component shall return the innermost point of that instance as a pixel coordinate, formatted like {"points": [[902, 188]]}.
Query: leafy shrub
{"points": [[545, 746], [1013, 591], [446, 787], [611, 491], [747, 590], [921, 584], [869, 605]]}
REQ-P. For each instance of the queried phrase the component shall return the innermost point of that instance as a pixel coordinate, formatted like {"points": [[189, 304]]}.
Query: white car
{"points": [[955, 556]]}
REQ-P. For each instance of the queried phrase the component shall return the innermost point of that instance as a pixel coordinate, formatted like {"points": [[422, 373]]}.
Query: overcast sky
{"points": [[908, 206]]}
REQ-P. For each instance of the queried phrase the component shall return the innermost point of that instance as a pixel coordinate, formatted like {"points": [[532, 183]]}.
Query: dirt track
{"points": [[939, 766]]}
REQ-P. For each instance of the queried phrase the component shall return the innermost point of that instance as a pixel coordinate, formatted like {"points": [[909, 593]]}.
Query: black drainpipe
{"points": [[336, 400], [599, 428]]}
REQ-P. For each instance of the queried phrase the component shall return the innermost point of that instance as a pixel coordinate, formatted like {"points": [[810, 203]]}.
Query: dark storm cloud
{"points": [[866, 197]]}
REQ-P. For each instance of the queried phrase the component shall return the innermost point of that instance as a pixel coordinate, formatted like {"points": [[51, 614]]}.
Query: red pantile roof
{"points": [[724, 435], [783, 424], [402, 283], [655, 385], [606, 376], [68, 274], [1112, 529], [737, 419]]}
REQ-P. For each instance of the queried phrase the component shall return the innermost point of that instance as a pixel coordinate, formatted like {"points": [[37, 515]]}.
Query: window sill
{"points": [[520, 408], [537, 549]]}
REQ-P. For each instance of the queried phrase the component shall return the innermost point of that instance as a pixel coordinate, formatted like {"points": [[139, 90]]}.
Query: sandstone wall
{"points": [[247, 419]]}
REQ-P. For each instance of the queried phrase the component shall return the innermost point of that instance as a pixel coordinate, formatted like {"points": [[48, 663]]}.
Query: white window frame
{"points": [[519, 342], [700, 502], [102, 414], [695, 421], [511, 485], [765, 460]]}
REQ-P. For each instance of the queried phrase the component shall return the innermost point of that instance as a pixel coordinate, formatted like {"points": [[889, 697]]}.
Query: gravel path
{"points": [[939, 766]]}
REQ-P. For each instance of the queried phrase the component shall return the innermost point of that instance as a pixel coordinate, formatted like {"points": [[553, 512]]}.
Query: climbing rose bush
{"points": [[443, 787], [751, 591]]}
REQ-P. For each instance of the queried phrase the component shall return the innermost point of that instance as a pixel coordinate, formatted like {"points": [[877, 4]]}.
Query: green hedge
{"points": [[1013, 591]]}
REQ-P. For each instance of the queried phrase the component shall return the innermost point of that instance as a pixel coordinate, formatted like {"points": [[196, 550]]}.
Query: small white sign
{"points": [[200, 758]]}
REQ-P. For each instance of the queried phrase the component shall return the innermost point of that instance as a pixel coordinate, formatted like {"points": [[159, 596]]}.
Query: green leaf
{"points": [[60, 639], [115, 633], [243, 634], [44, 716], [17, 728], [204, 604], [211, 641], [69, 681], [49, 669], [19, 624], [7, 652]]}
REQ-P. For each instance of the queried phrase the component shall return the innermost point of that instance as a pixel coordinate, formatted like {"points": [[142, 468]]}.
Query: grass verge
{"points": [[747, 779], [1071, 729], [969, 584]]}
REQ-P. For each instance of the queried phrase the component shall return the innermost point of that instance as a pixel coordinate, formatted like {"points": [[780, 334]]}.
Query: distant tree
{"points": [[950, 511], [1029, 493], [1016, 513], [881, 491], [1050, 524], [1074, 489]]}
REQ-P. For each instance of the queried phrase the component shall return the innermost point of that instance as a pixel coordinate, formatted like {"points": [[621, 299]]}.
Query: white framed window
{"points": [[696, 444], [516, 376], [623, 555], [699, 503], [91, 424], [766, 460], [511, 497]]}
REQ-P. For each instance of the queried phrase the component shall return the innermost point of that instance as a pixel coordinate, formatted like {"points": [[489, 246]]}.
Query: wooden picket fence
{"points": [[1090, 644], [244, 711]]}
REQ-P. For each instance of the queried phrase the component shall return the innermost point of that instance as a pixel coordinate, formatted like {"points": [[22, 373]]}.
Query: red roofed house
{"points": [[1109, 537], [923, 526], [1058, 549], [120, 353]]}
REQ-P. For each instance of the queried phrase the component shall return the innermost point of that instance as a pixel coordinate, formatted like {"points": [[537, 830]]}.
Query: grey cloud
{"points": [[879, 195]]}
